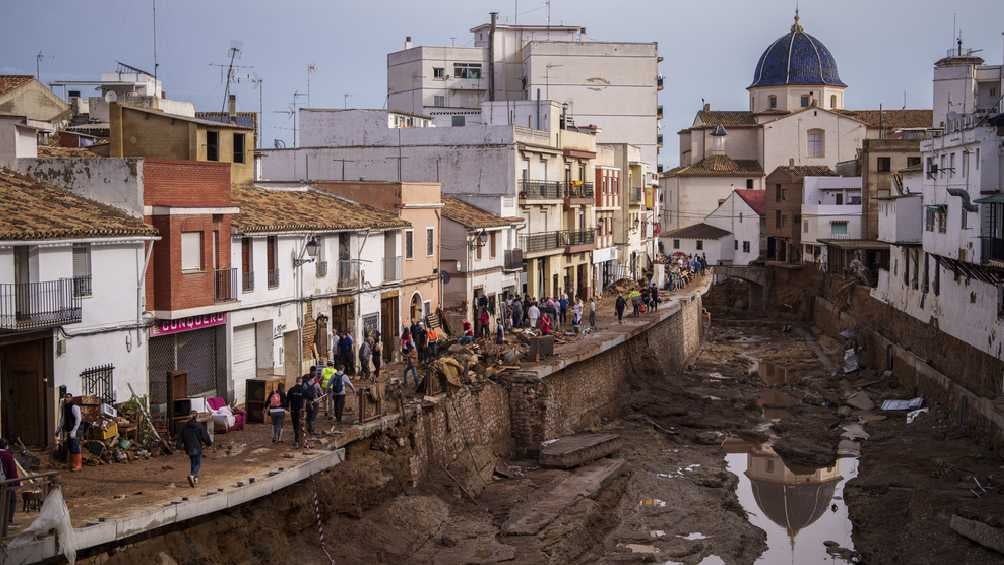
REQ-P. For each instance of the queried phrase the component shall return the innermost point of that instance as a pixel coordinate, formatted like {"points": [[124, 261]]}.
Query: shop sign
{"points": [[167, 327]]}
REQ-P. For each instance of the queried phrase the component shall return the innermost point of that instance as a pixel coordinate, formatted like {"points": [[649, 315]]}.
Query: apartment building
{"points": [[613, 85], [831, 210], [783, 211], [544, 174], [608, 206]]}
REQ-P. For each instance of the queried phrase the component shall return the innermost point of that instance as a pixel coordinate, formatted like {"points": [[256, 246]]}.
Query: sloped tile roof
{"points": [[470, 216], [800, 171], [727, 118], [31, 210], [718, 166], [242, 119], [10, 82], [52, 152], [698, 231], [266, 210], [892, 119], [755, 199]]}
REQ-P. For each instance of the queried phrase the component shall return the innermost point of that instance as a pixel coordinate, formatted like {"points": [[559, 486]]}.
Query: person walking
{"points": [[619, 306], [592, 312], [345, 353], [311, 398], [577, 315], [338, 391], [294, 398], [534, 313], [484, 323], [377, 354], [408, 355], [69, 428], [653, 296], [365, 354], [327, 373], [563, 310], [277, 411], [517, 313], [421, 338], [193, 437]]}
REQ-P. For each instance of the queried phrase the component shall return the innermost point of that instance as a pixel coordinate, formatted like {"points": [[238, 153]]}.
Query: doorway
{"points": [[389, 326], [415, 311], [291, 357], [24, 377]]}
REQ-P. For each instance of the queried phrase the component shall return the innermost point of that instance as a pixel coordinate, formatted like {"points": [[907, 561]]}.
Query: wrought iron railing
{"points": [[273, 278], [28, 306], [991, 249], [540, 241], [578, 237], [348, 274], [225, 281], [392, 268], [540, 190], [578, 190], [82, 286], [247, 281], [513, 259], [97, 381]]}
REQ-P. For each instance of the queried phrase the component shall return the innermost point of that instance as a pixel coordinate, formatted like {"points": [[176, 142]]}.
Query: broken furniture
{"points": [[256, 396]]}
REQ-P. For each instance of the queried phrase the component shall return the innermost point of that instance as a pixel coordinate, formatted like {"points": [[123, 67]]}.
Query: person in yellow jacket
{"points": [[327, 373]]}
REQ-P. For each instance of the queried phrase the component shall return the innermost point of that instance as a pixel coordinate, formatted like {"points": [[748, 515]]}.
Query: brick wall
{"points": [[168, 288], [186, 183]]}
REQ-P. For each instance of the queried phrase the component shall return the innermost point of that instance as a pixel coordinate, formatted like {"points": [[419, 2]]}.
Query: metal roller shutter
{"points": [[197, 356], [244, 359]]}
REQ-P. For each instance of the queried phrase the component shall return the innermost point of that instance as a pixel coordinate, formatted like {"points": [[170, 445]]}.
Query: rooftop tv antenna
{"points": [[38, 65], [229, 71], [155, 63]]}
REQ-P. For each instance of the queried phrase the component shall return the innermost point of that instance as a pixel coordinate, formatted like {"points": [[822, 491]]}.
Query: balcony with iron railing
{"points": [[577, 241], [578, 192], [247, 281], [225, 285], [43, 304], [348, 274], [635, 196], [539, 190], [393, 268], [513, 260], [273, 278], [538, 242]]}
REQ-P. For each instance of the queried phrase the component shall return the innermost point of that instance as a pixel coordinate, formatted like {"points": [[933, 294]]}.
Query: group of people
{"points": [[682, 268], [551, 313], [646, 298], [370, 353]]}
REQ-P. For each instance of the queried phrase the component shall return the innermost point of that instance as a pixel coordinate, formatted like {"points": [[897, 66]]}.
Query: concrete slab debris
{"points": [[979, 532], [586, 481], [572, 451], [861, 401]]}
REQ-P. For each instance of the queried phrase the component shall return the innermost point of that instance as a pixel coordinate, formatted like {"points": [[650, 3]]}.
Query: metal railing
{"points": [[225, 283], [991, 249], [273, 278], [578, 237], [539, 190], [578, 190], [97, 381], [28, 306], [348, 274], [322, 269], [247, 281], [82, 286], [392, 268], [540, 241], [39, 485], [513, 259]]}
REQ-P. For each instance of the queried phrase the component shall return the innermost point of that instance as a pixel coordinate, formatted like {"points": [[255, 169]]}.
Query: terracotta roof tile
{"points": [[718, 166], [806, 171], [892, 119], [268, 210], [755, 199], [53, 152], [470, 216], [10, 82], [727, 118], [698, 231], [31, 210]]}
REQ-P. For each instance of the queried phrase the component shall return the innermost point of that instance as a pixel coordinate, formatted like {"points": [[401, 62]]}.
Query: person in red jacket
{"points": [[545, 324]]}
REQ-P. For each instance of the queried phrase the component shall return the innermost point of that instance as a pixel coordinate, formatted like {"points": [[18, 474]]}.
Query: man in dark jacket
{"points": [[311, 394], [295, 399], [619, 306], [193, 435]]}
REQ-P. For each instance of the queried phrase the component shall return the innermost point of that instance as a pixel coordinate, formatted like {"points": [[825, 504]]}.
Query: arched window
{"points": [[833, 101], [772, 102], [817, 143]]}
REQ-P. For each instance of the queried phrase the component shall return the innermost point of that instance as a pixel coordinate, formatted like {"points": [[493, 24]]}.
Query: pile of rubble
{"points": [[117, 433]]}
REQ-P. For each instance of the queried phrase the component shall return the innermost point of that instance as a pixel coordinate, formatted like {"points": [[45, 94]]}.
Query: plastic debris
{"points": [[902, 405]]}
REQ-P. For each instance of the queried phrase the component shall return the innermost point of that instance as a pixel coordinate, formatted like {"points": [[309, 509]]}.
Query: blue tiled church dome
{"points": [[796, 58]]}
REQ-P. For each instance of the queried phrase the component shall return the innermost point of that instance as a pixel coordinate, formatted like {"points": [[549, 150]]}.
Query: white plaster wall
{"points": [[817, 220], [786, 139], [901, 219], [126, 350], [690, 199], [714, 250], [741, 144], [736, 216], [936, 186]]}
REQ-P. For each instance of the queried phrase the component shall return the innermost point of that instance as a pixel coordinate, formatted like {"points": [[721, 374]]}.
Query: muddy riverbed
{"points": [[750, 455]]}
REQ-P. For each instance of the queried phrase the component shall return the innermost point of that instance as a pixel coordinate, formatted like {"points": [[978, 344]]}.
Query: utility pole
{"points": [[229, 70], [38, 66], [346, 97]]}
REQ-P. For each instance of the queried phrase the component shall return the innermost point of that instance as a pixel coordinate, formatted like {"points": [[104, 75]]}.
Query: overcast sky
{"points": [[883, 47]]}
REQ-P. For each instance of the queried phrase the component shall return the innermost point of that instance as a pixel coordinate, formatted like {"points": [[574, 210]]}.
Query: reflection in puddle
{"points": [[798, 508]]}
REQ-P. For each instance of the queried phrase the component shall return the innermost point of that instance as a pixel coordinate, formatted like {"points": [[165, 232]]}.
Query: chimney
{"points": [[707, 107], [407, 42], [232, 105]]}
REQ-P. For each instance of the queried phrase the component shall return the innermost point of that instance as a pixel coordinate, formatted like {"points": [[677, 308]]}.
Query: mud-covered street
{"points": [[752, 454]]}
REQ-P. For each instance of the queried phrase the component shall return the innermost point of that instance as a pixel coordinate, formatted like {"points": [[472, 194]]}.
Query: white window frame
{"points": [[187, 265], [815, 140], [83, 250]]}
